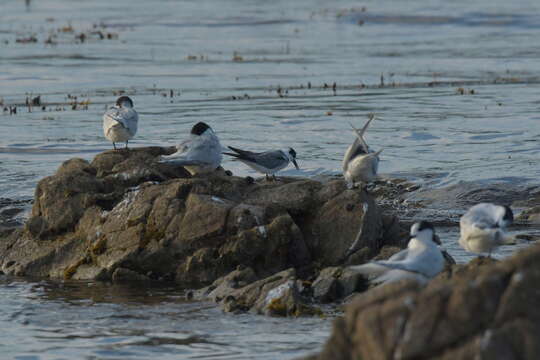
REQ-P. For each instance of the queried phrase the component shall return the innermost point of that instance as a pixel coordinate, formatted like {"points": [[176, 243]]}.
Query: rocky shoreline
{"points": [[278, 248]]}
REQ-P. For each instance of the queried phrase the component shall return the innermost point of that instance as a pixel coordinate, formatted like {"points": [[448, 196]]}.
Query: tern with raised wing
{"points": [[360, 164]]}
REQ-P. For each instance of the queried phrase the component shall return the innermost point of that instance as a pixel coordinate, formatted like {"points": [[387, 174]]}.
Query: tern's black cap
{"points": [[123, 99], [292, 152], [425, 225], [199, 128], [508, 214]]}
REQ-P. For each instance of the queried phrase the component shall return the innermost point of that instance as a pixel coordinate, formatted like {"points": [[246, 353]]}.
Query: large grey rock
{"points": [[125, 210]]}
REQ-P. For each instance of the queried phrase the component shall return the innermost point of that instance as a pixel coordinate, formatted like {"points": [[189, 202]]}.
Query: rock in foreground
{"points": [[490, 311]]}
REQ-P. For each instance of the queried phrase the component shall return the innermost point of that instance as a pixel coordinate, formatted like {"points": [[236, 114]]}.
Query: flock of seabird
{"points": [[482, 227]]}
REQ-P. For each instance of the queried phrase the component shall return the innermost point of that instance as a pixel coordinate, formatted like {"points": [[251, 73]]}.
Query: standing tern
{"points": [[360, 164], [421, 260], [120, 121], [268, 162], [483, 228], [199, 154]]}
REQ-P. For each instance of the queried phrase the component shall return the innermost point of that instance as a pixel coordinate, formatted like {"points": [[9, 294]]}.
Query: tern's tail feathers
{"points": [[171, 159], [397, 275], [231, 154], [238, 151], [370, 269], [239, 154], [379, 273]]}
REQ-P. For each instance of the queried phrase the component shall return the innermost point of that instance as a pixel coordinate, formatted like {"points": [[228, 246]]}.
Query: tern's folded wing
{"points": [[399, 255], [353, 150], [397, 265], [185, 162], [128, 118], [371, 269], [271, 159], [242, 154], [478, 220], [196, 152]]}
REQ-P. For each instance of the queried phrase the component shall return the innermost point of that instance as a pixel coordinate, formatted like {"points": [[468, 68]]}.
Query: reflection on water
{"points": [[454, 86]]}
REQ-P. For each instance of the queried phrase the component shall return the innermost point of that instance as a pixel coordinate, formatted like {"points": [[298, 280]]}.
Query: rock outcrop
{"points": [[482, 310], [126, 217]]}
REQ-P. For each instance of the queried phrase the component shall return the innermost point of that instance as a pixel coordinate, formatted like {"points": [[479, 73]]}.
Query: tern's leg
{"points": [[267, 178], [274, 177], [127, 144], [114, 145]]}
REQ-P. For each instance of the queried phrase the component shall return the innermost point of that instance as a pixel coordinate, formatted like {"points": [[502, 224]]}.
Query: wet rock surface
{"points": [[445, 205], [483, 310], [126, 217]]}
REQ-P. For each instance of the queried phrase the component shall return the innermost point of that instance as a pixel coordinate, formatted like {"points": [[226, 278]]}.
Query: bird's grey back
{"points": [[205, 149], [127, 117], [270, 159], [482, 216], [402, 255]]}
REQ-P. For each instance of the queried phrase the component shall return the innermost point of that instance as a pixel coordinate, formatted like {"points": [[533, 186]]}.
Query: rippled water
{"points": [[224, 62], [48, 320]]}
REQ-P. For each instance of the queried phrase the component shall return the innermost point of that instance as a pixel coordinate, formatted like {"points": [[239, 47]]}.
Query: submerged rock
{"points": [[483, 310], [124, 215], [334, 283], [281, 294]]}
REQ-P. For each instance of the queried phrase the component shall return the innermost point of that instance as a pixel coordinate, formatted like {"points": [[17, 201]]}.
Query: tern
{"points": [[268, 162], [120, 121], [360, 164], [421, 260], [199, 154], [483, 228]]}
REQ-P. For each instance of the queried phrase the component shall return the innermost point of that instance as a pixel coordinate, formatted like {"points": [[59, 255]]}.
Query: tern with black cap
{"points": [[420, 261], [483, 228], [120, 121], [199, 154], [268, 162]]}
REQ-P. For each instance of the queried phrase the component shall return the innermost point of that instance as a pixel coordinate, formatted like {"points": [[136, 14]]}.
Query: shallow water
{"points": [[224, 63], [48, 320]]}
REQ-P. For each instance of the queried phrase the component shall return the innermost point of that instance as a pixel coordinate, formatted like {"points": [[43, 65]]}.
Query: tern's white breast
{"points": [[361, 168]]}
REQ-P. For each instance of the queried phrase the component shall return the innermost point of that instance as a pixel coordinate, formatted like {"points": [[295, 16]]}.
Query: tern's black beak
{"points": [[436, 239], [295, 164]]}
